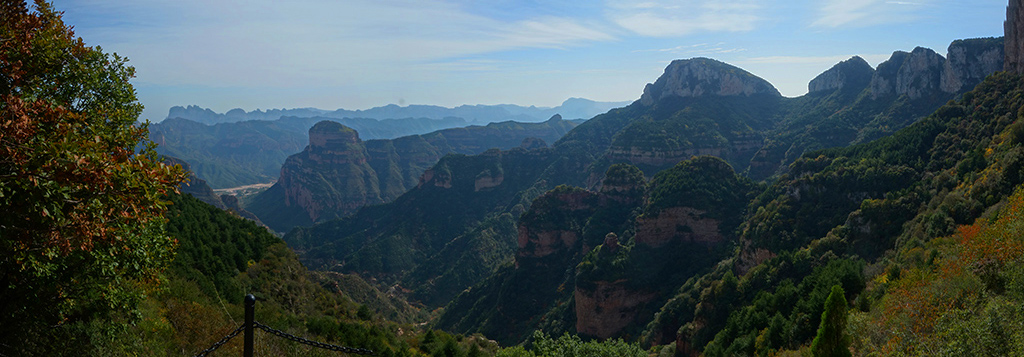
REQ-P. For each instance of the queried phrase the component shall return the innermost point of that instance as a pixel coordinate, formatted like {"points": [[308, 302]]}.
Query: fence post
{"points": [[250, 307]]}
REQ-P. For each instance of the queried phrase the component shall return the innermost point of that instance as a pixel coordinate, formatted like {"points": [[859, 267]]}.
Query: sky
{"points": [[358, 54]]}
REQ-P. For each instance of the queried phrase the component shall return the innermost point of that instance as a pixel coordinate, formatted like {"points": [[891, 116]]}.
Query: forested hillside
{"points": [[698, 107], [859, 217]]}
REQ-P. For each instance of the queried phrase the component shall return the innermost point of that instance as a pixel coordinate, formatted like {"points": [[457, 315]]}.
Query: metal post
{"points": [[250, 307]]}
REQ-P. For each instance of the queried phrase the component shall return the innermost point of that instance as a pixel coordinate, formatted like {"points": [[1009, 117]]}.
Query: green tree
{"points": [[81, 234], [832, 339]]}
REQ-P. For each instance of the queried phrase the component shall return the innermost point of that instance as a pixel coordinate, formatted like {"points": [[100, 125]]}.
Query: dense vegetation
{"points": [[904, 245], [853, 217], [81, 235]]}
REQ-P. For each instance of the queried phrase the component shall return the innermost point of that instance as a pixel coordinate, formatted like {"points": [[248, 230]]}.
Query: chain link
{"points": [[279, 333], [221, 342]]}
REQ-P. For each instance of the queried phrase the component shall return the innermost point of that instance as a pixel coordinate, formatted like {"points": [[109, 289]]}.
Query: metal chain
{"points": [[221, 342], [279, 333]]}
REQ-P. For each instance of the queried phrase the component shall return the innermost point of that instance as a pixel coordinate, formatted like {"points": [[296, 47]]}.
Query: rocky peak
{"points": [[853, 73], [924, 73], [969, 61], [914, 74], [1014, 32], [705, 77], [332, 135]]}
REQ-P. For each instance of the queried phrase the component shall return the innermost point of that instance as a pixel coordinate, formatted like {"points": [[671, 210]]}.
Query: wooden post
{"points": [[250, 307]]}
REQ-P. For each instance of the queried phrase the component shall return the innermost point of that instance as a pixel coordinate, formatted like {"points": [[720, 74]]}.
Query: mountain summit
{"points": [[852, 73], [704, 76]]}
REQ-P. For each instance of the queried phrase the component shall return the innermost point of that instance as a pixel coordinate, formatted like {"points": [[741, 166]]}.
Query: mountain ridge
{"points": [[572, 108]]}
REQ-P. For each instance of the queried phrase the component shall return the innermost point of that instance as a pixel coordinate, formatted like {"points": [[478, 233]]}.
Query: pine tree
{"points": [[832, 339]]}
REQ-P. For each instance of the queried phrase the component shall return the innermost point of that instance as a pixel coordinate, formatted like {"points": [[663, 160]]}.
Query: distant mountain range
{"points": [[251, 152], [572, 108]]}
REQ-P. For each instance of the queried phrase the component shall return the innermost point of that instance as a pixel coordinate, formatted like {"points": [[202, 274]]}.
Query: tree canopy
{"points": [[81, 187]]}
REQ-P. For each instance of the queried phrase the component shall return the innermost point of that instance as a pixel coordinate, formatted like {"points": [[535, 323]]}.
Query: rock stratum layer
{"points": [[1013, 29]]}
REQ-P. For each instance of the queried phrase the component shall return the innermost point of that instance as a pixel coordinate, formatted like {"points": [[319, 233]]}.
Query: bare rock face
{"points": [[682, 224], [550, 229], [429, 177], [968, 62], [923, 72], [607, 309], [542, 243], [331, 175], [1013, 28], [487, 180], [852, 73], [703, 76], [914, 74]]}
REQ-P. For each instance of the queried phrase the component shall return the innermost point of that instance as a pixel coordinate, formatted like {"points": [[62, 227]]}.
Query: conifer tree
{"points": [[832, 340]]}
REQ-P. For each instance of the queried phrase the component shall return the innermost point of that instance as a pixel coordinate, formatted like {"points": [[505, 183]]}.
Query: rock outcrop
{"points": [[331, 175], [704, 76], [923, 73], [608, 308], [914, 74], [854, 73], [1013, 29], [968, 62], [550, 231], [338, 173], [678, 224]]}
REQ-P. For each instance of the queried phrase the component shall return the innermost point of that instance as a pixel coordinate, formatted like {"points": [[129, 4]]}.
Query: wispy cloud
{"points": [[859, 13], [269, 42], [701, 49], [664, 18]]}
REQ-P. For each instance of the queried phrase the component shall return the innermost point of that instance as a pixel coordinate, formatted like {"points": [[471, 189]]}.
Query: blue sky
{"points": [[357, 54]]}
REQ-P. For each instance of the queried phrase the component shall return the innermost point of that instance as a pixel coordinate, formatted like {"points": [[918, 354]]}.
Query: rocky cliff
{"points": [[914, 74], [608, 308], [338, 173], [704, 76], [853, 73], [331, 176], [1013, 29], [551, 231], [923, 72], [678, 224], [968, 62]]}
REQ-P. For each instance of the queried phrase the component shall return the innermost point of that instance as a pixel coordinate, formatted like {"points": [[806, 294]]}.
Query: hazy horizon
{"points": [[362, 54]]}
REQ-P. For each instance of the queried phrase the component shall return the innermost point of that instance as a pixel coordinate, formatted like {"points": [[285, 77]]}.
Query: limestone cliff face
{"points": [[853, 73], [611, 306], [703, 76], [678, 224], [922, 72], [331, 176], [742, 145], [1013, 28], [550, 231], [914, 74], [968, 62]]}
